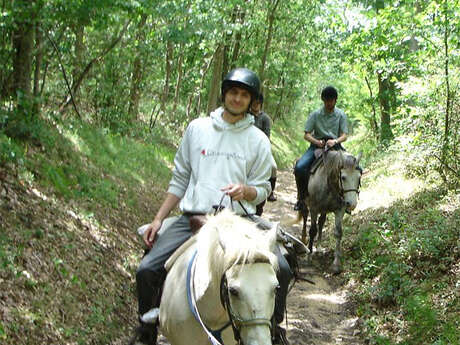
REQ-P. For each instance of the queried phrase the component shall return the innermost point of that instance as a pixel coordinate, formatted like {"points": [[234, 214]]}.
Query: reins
{"points": [[220, 207]]}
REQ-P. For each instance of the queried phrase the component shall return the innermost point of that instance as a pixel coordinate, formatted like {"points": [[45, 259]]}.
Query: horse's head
{"points": [[251, 289], [249, 280], [350, 180]]}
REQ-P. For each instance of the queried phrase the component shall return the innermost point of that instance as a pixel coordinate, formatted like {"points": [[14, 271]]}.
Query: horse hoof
{"points": [[336, 269]]}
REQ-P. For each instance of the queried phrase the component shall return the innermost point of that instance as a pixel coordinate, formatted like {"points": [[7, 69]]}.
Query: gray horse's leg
{"points": [[321, 221], [304, 213], [312, 233], [337, 265]]}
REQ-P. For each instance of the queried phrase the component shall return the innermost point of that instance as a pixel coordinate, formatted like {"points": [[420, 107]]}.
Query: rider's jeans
{"points": [[151, 272], [304, 163]]}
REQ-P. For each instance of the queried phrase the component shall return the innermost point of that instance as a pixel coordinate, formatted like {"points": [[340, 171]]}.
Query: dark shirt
{"points": [[262, 121]]}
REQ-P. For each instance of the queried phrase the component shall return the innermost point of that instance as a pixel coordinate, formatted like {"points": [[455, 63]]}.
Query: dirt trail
{"points": [[318, 314]]}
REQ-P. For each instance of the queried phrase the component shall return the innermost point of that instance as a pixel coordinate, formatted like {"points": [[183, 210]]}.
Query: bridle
{"points": [[215, 336], [236, 321], [342, 191]]}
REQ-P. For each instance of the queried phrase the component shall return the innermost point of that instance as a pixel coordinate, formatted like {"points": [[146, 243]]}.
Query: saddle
{"points": [[319, 152]]}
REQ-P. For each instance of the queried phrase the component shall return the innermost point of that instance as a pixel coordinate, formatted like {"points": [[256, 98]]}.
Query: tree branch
{"points": [[63, 72], [83, 74]]}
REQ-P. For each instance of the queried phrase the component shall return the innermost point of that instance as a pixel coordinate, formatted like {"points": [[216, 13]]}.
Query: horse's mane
{"points": [[231, 240]]}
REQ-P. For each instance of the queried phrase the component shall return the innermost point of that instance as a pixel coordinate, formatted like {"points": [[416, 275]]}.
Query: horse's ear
{"points": [[272, 236], [359, 158]]}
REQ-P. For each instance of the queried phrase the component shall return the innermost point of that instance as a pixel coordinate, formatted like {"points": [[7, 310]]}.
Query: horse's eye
{"points": [[233, 291], [343, 178]]}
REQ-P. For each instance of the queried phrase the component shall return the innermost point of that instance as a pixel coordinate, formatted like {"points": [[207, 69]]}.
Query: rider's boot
{"points": [[146, 334], [149, 289], [302, 191], [272, 197]]}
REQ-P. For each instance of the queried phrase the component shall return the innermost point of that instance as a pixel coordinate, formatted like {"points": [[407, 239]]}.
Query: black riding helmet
{"points": [[244, 78]]}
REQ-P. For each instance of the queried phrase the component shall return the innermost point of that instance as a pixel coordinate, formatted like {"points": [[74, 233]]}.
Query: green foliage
{"points": [[407, 255], [9, 150], [422, 318]]}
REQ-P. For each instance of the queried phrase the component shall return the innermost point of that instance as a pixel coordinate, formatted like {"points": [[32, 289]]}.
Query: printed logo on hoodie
{"points": [[213, 153]]}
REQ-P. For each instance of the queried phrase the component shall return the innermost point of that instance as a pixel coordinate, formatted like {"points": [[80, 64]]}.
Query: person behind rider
{"points": [[220, 154], [263, 122], [325, 127]]}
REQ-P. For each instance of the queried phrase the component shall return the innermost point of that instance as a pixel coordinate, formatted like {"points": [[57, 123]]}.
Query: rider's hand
{"points": [[320, 143], [150, 233], [331, 142], [236, 191]]}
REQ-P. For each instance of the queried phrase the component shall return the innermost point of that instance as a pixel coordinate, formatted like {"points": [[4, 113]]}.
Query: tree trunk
{"points": [[136, 79], [179, 76], [446, 76], [271, 20], [168, 68], [79, 53], [214, 89], [37, 71], [237, 44], [204, 72], [385, 108], [23, 37], [373, 121]]}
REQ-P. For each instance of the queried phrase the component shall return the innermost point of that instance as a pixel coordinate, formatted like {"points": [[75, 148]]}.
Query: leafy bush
{"points": [[10, 151]]}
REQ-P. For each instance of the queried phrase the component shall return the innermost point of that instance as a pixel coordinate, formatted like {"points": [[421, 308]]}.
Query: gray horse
{"points": [[333, 187]]}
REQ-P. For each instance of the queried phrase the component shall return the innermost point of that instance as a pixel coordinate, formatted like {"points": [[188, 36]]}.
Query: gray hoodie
{"points": [[213, 154]]}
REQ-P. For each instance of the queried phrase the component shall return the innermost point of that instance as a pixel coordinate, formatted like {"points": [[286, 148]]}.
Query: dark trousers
{"points": [[302, 171], [260, 207], [303, 165], [151, 272]]}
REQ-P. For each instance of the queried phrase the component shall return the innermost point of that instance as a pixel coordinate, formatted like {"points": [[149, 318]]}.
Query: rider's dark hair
{"points": [[329, 92], [261, 98]]}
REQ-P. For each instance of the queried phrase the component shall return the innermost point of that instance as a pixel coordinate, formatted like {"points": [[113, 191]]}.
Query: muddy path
{"points": [[317, 314]]}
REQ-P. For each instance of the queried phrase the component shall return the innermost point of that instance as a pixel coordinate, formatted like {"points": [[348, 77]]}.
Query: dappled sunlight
{"points": [[388, 190], [387, 185], [330, 298]]}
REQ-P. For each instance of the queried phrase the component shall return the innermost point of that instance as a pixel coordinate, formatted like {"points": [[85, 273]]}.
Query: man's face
{"points": [[237, 100], [329, 104], [255, 107]]}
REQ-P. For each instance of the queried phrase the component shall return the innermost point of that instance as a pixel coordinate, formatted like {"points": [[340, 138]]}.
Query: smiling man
{"points": [[220, 154]]}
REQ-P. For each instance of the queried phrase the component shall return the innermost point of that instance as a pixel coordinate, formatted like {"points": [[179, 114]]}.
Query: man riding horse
{"points": [[325, 128], [220, 154]]}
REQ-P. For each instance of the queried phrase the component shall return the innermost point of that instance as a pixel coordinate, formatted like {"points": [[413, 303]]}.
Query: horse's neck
{"points": [[324, 189], [207, 290]]}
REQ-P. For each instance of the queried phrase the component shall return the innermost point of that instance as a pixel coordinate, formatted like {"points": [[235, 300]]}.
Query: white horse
{"points": [[231, 267]]}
